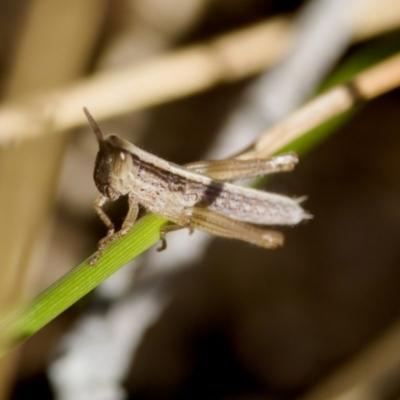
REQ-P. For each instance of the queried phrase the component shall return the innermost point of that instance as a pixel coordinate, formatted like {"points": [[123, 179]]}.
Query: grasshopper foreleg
{"points": [[112, 236], [98, 204]]}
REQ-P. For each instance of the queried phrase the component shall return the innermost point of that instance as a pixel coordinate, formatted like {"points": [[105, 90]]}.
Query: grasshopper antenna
{"points": [[95, 128]]}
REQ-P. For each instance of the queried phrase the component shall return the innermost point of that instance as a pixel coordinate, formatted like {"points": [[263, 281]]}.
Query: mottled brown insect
{"points": [[195, 196]]}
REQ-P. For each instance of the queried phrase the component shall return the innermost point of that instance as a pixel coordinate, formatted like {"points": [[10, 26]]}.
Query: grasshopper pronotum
{"points": [[194, 196]]}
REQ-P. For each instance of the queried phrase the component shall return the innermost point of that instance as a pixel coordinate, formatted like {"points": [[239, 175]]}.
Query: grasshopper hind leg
{"points": [[209, 221], [220, 225], [232, 170]]}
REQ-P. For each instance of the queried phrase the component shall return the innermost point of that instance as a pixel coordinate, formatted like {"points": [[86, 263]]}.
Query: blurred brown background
{"points": [[235, 321]]}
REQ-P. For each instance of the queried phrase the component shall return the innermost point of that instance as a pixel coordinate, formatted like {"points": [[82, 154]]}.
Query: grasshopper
{"points": [[199, 195]]}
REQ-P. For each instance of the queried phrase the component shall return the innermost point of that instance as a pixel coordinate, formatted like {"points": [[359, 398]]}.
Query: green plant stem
{"points": [[78, 282]]}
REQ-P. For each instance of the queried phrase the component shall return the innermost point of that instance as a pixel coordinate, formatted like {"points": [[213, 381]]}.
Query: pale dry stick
{"points": [[164, 79], [282, 89], [375, 15], [370, 83], [138, 86]]}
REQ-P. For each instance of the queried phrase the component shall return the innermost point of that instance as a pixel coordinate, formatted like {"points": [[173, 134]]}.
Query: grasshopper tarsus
{"points": [[94, 259], [163, 245]]}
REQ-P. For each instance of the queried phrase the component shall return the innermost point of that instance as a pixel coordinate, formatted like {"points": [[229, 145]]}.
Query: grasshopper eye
{"points": [[123, 164]]}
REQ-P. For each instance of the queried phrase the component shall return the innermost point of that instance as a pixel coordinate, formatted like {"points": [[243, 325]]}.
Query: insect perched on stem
{"points": [[195, 196]]}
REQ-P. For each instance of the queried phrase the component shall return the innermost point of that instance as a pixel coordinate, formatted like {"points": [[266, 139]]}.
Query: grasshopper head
{"points": [[109, 162], [102, 175]]}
